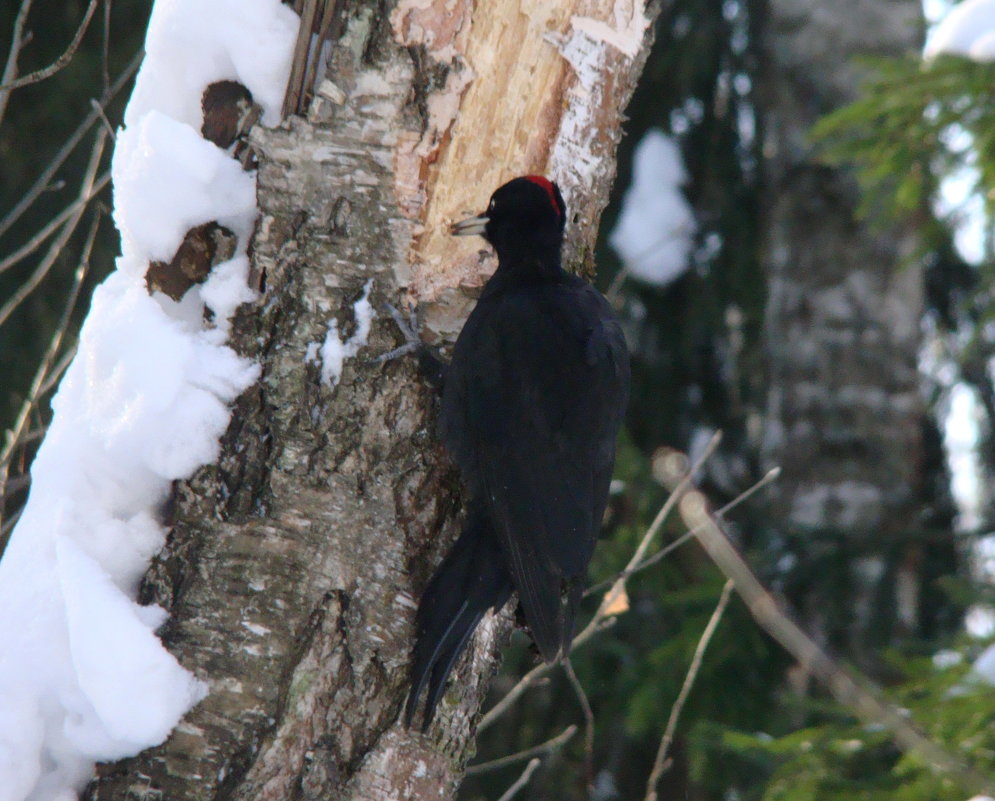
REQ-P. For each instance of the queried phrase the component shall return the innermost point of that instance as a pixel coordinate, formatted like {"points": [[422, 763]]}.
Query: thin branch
{"points": [[521, 781], [87, 191], [60, 367], [596, 626], [103, 118], [851, 689], [618, 588], [615, 287], [16, 435], [770, 476], [17, 41], [43, 181], [105, 47], [53, 225], [585, 706], [60, 62], [661, 763], [548, 747]]}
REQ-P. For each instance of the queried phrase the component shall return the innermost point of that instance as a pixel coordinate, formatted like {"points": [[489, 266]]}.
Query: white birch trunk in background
{"points": [[844, 411]]}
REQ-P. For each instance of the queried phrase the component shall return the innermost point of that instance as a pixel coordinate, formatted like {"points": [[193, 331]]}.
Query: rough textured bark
{"points": [[843, 316], [294, 565]]}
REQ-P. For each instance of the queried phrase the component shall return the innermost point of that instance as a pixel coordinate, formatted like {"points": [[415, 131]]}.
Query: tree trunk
{"points": [[294, 565], [844, 415]]}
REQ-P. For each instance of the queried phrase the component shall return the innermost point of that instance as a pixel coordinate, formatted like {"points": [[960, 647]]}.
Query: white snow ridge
{"points": [[82, 675]]}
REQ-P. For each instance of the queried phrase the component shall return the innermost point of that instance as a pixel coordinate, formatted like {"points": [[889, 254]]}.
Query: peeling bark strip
{"points": [[293, 567]]}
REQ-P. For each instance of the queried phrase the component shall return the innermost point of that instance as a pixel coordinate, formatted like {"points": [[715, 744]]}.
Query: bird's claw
{"points": [[408, 327], [383, 358]]}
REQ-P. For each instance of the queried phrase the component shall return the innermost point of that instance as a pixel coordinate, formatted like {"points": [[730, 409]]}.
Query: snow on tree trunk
{"points": [[842, 321], [294, 565]]}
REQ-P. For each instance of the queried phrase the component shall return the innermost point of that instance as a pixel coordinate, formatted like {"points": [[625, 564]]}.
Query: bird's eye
{"points": [[491, 205]]}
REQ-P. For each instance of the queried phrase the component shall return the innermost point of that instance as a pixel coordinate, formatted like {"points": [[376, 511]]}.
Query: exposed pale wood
{"points": [[533, 88]]}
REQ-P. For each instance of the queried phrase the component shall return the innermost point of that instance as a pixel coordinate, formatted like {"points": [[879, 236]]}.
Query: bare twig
{"points": [[16, 43], [540, 671], [45, 370], [585, 706], [849, 688], [17, 434], [44, 179], [649, 561], [769, 477], [661, 763], [612, 293], [618, 588], [60, 62], [521, 781], [105, 73], [87, 191], [53, 225], [103, 118], [548, 747], [615, 287], [56, 372]]}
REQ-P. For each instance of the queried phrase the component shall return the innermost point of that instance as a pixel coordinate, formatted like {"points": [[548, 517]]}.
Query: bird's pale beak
{"points": [[470, 226]]}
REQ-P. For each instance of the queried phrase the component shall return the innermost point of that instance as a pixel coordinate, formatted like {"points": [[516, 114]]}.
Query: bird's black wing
{"points": [[533, 402]]}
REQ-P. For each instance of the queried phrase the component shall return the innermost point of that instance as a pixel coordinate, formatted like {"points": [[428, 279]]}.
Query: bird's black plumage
{"points": [[532, 402]]}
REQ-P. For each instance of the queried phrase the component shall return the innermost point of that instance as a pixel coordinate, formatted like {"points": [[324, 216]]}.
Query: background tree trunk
{"points": [[294, 565], [844, 412]]}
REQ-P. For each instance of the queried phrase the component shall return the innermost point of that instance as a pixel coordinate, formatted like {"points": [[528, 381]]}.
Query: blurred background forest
{"points": [[800, 246]]}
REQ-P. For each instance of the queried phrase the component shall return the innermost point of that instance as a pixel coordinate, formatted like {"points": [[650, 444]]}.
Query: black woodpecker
{"points": [[532, 402]]}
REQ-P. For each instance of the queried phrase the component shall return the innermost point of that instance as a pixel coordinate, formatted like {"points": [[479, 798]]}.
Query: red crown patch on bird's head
{"points": [[546, 184]]}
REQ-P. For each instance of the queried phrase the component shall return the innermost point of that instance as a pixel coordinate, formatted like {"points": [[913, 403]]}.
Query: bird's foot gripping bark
{"points": [[408, 327], [430, 363]]}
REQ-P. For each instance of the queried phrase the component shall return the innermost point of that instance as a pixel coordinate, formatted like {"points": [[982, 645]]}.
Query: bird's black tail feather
{"points": [[471, 579]]}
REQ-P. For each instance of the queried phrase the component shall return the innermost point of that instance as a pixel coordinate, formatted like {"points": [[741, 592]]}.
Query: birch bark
{"points": [[294, 565]]}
